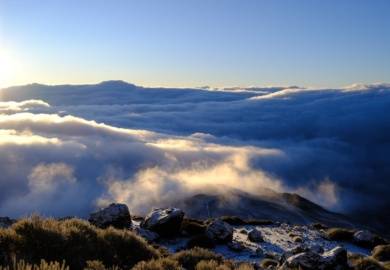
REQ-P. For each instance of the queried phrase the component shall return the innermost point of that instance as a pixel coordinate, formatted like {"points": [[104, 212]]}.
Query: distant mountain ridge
{"points": [[283, 207], [121, 93]]}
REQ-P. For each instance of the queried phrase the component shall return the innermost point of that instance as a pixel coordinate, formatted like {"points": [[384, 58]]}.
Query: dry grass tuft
{"points": [[22, 265], [158, 264], [191, 257], [339, 234], [381, 253], [72, 240]]}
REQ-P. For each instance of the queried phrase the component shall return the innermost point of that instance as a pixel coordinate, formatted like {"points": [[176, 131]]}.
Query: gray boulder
{"points": [[165, 222], [255, 236], [116, 215], [335, 258], [365, 238], [317, 248], [304, 260], [219, 231], [259, 252]]}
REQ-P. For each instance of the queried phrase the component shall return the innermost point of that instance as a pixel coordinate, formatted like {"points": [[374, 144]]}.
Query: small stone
{"points": [[365, 238], [317, 249], [219, 231], [255, 236], [297, 239], [335, 257], [259, 251]]}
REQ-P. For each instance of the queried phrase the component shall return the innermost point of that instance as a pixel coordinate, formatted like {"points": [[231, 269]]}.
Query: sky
{"points": [[195, 43]]}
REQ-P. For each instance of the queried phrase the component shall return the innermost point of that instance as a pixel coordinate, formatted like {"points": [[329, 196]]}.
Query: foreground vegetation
{"points": [[48, 244], [73, 241]]}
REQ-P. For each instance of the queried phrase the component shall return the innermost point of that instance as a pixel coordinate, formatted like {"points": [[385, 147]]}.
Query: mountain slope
{"points": [[284, 207]]}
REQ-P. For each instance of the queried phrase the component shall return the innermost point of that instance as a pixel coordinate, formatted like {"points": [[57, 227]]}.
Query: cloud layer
{"points": [[116, 141]]}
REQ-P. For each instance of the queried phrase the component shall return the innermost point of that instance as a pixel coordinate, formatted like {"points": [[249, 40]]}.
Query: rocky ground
{"points": [[284, 246], [263, 243]]}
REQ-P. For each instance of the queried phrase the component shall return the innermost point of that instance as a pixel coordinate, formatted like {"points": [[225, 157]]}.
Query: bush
{"points": [[360, 262], [245, 266], [266, 263], [192, 226], [225, 265], [22, 265], [95, 265], [201, 241], [233, 220], [319, 226], [98, 265], [381, 253], [159, 264], [207, 265], [191, 257], [339, 234], [74, 241], [259, 222], [237, 221]]}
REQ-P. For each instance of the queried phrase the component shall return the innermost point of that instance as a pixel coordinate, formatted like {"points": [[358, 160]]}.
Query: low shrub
{"points": [[319, 226], [266, 263], [225, 265], [22, 265], [381, 253], [192, 226], [200, 240], [237, 221], [98, 265], [207, 265], [74, 241], [360, 262], [259, 222], [339, 234], [244, 266], [191, 257], [233, 220], [158, 264]]}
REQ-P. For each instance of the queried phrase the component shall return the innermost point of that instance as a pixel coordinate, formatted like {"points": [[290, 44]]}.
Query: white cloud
{"points": [[12, 106], [121, 138], [139, 167], [323, 192], [47, 177]]}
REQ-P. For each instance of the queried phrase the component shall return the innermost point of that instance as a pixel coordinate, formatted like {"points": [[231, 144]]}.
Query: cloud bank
{"points": [[143, 146]]}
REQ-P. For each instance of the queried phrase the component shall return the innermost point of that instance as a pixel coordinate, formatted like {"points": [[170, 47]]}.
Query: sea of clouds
{"points": [[68, 149]]}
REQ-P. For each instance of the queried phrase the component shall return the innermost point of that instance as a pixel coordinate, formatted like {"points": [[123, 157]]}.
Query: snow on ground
{"points": [[278, 239]]}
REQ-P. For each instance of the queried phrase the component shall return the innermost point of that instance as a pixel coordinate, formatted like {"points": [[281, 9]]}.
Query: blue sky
{"points": [[195, 43]]}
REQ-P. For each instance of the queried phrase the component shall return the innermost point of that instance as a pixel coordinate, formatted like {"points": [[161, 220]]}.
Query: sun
{"points": [[9, 67]]}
